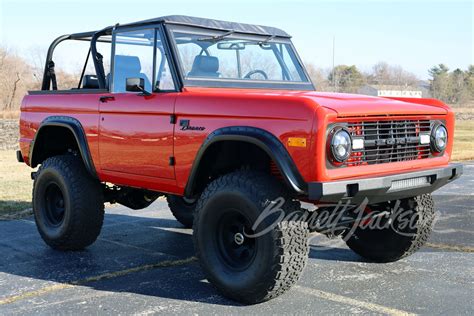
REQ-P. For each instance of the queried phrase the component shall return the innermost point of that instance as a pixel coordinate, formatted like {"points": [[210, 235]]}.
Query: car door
{"points": [[136, 135]]}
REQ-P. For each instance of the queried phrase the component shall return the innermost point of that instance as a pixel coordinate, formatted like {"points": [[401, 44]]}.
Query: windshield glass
{"points": [[213, 58]]}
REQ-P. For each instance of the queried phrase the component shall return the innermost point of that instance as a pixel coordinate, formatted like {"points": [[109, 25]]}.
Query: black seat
{"points": [[128, 67], [205, 66]]}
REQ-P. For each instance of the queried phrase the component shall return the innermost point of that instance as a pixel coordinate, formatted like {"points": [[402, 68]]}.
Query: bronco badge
{"points": [[186, 127]]}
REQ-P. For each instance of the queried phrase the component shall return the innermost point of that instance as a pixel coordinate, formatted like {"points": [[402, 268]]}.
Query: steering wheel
{"points": [[256, 71]]}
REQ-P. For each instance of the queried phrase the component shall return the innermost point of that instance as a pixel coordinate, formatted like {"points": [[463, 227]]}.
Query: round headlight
{"points": [[439, 138], [341, 145]]}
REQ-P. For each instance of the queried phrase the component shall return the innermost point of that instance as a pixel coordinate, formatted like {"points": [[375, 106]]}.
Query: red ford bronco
{"points": [[223, 120]]}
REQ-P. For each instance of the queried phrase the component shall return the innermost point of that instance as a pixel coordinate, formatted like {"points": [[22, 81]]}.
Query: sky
{"points": [[413, 34]]}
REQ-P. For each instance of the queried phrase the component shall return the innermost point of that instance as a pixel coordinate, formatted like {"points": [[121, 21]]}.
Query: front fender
{"points": [[261, 138]]}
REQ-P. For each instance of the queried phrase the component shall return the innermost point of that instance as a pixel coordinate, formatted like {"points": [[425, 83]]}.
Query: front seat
{"points": [[205, 66], [128, 67]]}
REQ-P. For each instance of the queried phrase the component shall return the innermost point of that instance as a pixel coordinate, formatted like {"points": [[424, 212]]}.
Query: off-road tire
{"points": [[280, 255], [64, 178], [390, 244], [182, 210]]}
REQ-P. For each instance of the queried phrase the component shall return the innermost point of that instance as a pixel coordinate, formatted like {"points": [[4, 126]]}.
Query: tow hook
{"points": [[33, 175]]}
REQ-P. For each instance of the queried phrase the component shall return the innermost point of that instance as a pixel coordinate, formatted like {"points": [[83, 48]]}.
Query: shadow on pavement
{"points": [[334, 254], [126, 242]]}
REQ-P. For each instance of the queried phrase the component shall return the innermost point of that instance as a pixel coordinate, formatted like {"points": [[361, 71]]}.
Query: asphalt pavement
{"points": [[143, 263]]}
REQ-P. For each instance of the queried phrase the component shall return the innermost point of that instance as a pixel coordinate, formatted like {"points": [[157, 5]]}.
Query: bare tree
{"points": [[15, 79], [385, 74], [9, 106], [37, 58], [319, 77]]}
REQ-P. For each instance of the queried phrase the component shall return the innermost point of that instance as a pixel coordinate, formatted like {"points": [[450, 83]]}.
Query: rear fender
{"points": [[75, 127]]}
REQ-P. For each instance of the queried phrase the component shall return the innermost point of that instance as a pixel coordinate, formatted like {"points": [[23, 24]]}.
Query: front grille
{"points": [[389, 141]]}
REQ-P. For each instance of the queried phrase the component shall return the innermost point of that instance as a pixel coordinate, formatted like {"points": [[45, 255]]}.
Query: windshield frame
{"points": [[230, 82]]}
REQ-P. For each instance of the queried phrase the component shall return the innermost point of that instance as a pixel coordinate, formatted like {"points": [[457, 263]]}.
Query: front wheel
{"points": [[407, 230], [246, 263]]}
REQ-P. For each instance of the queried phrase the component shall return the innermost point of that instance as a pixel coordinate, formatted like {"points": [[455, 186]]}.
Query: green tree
{"points": [[459, 88], [470, 81], [346, 78], [440, 83], [438, 70], [456, 87]]}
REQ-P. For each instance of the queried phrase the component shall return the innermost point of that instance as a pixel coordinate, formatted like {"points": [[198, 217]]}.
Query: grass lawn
{"points": [[15, 184], [463, 141]]}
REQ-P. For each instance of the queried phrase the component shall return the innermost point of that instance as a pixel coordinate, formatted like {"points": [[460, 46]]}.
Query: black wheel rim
{"points": [[54, 205], [234, 247]]}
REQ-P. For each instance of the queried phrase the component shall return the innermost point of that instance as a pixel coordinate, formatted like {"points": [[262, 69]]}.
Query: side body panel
{"points": [[83, 107], [136, 141], [136, 136]]}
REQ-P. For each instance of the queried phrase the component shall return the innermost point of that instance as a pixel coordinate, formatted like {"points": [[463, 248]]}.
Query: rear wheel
{"points": [[182, 209], [68, 203], [406, 232], [246, 263]]}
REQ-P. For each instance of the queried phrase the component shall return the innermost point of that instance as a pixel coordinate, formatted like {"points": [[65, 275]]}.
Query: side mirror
{"points": [[135, 85]]}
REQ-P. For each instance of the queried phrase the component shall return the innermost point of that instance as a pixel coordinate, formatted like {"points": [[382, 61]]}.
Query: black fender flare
{"points": [[76, 129], [261, 138]]}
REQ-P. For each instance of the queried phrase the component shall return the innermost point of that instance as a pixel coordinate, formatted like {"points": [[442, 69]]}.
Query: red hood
{"points": [[362, 105]]}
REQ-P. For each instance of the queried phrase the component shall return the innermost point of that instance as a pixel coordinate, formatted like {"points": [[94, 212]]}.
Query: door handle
{"points": [[106, 98]]}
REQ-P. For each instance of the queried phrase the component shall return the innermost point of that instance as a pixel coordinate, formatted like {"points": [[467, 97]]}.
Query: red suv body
{"points": [[131, 140]]}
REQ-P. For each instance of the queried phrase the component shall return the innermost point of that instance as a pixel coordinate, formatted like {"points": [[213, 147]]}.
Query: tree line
{"points": [[453, 87], [18, 75]]}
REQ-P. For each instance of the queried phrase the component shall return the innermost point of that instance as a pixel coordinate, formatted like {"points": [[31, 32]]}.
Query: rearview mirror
{"points": [[230, 46]]}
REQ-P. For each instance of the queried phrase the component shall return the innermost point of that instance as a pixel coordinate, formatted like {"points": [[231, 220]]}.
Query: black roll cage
{"points": [[49, 77]]}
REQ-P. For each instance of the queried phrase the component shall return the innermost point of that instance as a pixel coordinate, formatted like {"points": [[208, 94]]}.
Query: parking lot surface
{"points": [[143, 263]]}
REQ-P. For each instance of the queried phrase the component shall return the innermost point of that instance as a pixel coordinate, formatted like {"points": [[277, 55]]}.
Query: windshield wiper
{"points": [[215, 38]]}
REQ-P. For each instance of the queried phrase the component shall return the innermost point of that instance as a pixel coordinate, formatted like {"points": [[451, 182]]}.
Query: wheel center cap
{"points": [[239, 239]]}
